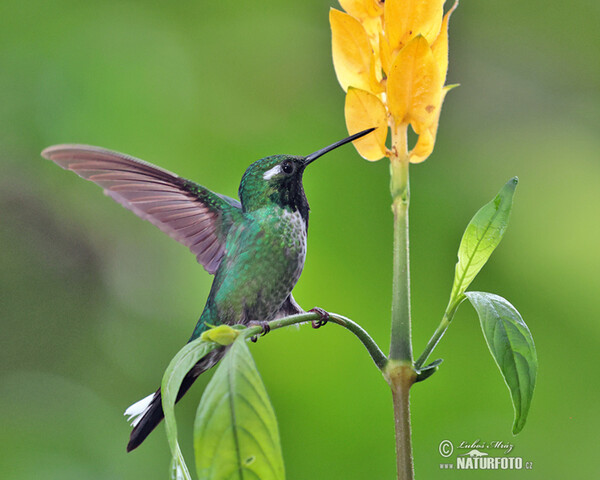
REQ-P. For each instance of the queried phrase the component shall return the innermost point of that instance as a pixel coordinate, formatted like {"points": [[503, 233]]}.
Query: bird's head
{"points": [[277, 180]]}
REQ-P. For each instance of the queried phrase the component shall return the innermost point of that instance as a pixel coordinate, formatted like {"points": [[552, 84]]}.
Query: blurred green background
{"points": [[95, 302]]}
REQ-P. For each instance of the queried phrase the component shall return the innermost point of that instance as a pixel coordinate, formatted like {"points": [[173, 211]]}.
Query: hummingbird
{"points": [[255, 247]]}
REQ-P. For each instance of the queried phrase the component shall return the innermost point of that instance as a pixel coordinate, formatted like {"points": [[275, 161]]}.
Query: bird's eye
{"points": [[287, 167]]}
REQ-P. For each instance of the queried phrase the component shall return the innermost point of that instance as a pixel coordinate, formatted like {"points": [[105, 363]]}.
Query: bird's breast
{"points": [[284, 237], [263, 261]]}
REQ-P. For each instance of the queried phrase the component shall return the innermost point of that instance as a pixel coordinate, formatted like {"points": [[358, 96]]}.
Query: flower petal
{"points": [[407, 19], [414, 85], [364, 110], [352, 52]]}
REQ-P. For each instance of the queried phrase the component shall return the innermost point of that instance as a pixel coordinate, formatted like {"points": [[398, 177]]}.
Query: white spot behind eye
{"points": [[276, 170]]}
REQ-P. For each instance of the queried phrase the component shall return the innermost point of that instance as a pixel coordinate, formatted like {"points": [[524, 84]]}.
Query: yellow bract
{"points": [[362, 8], [391, 58], [352, 52], [426, 140], [414, 87], [364, 110], [405, 19], [440, 46]]}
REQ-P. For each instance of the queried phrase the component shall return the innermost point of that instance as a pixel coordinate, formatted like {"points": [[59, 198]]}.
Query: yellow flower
{"points": [[391, 58]]}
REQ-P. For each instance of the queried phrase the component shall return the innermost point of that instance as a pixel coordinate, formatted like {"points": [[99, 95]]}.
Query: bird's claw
{"points": [[321, 321], [266, 328]]}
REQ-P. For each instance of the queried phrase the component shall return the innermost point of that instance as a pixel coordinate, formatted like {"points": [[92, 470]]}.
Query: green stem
{"points": [[400, 373], [439, 332], [401, 376], [376, 354], [433, 341], [400, 344]]}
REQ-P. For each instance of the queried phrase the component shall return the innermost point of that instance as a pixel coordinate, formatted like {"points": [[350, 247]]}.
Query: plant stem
{"points": [[400, 373], [401, 376], [400, 344], [433, 341], [439, 331], [376, 354]]}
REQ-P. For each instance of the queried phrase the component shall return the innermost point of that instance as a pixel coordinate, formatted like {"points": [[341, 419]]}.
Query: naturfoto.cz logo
{"points": [[476, 458]]}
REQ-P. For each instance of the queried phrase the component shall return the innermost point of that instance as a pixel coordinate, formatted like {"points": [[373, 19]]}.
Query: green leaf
{"points": [[511, 345], [481, 237], [235, 433], [181, 364]]}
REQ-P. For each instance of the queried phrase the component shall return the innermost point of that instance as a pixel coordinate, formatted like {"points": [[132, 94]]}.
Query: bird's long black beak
{"points": [[313, 156]]}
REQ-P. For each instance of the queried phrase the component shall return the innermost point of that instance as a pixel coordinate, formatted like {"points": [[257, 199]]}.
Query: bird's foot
{"points": [[321, 321], [266, 328]]}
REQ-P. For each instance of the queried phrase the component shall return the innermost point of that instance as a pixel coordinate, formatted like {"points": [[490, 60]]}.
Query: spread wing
{"points": [[188, 212]]}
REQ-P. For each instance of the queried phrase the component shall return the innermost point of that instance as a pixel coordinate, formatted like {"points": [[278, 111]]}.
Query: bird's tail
{"points": [[146, 414]]}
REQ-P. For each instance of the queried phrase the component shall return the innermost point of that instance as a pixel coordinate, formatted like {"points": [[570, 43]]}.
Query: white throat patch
{"points": [[276, 170]]}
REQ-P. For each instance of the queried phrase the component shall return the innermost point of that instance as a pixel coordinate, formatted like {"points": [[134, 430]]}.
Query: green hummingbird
{"points": [[255, 247]]}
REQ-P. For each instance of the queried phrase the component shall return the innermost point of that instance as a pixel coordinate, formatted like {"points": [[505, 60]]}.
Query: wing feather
{"points": [[188, 212]]}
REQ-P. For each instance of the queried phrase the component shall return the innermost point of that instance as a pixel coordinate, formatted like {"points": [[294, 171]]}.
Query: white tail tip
{"points": [[136, 411]]}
